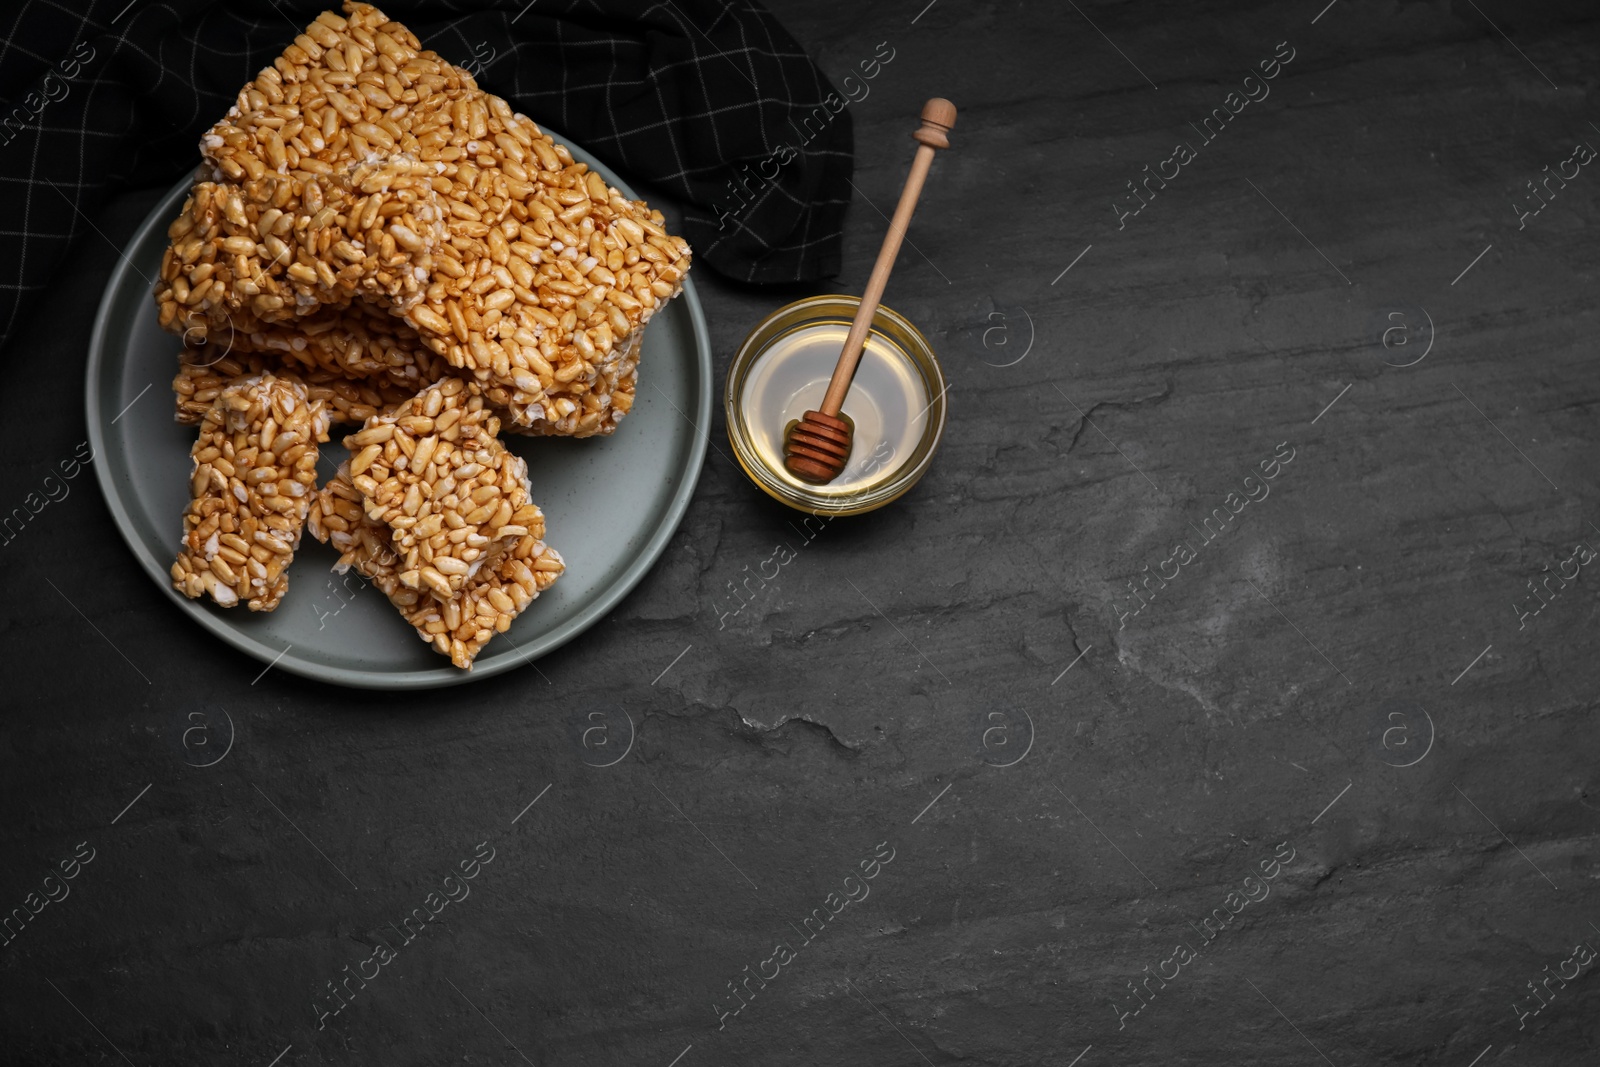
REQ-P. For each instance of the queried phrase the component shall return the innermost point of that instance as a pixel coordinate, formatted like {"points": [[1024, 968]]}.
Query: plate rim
{"points": [[431, 677]]}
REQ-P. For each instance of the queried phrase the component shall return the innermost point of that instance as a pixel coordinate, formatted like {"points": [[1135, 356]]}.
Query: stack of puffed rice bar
{"points": [[372, 240]]}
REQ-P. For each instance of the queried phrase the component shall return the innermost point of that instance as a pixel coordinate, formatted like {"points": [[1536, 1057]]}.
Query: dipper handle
{"points": [[938, 116], [818, 446]]}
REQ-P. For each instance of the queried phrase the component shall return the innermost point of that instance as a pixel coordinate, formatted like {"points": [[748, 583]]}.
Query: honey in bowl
{"points": [[896, 403]]}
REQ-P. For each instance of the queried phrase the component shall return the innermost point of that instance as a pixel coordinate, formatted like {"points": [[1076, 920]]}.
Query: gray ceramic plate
{"points": [[610, 504]]}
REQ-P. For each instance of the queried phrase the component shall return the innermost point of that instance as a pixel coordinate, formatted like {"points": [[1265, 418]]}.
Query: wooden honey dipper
{"points": [[818, 446]]}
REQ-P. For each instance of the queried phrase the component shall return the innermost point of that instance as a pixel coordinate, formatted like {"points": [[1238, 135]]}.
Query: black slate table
{"points": [[1224, 695]]}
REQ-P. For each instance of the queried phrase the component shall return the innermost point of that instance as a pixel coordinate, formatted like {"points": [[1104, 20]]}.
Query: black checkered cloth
{"points": [[708, 101]]}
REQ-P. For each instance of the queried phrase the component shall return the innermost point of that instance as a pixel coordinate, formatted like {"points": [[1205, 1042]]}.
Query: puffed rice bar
{"points": [[255, 473], [358, 341], [203, 373], [360, 168], [435, 473], [461, 627]]}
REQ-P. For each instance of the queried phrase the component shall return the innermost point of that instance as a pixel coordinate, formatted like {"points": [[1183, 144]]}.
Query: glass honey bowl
{"points": [[896, 404]]}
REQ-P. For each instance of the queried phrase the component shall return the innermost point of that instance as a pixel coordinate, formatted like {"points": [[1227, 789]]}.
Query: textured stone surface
{"points": [[900, 658]]}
